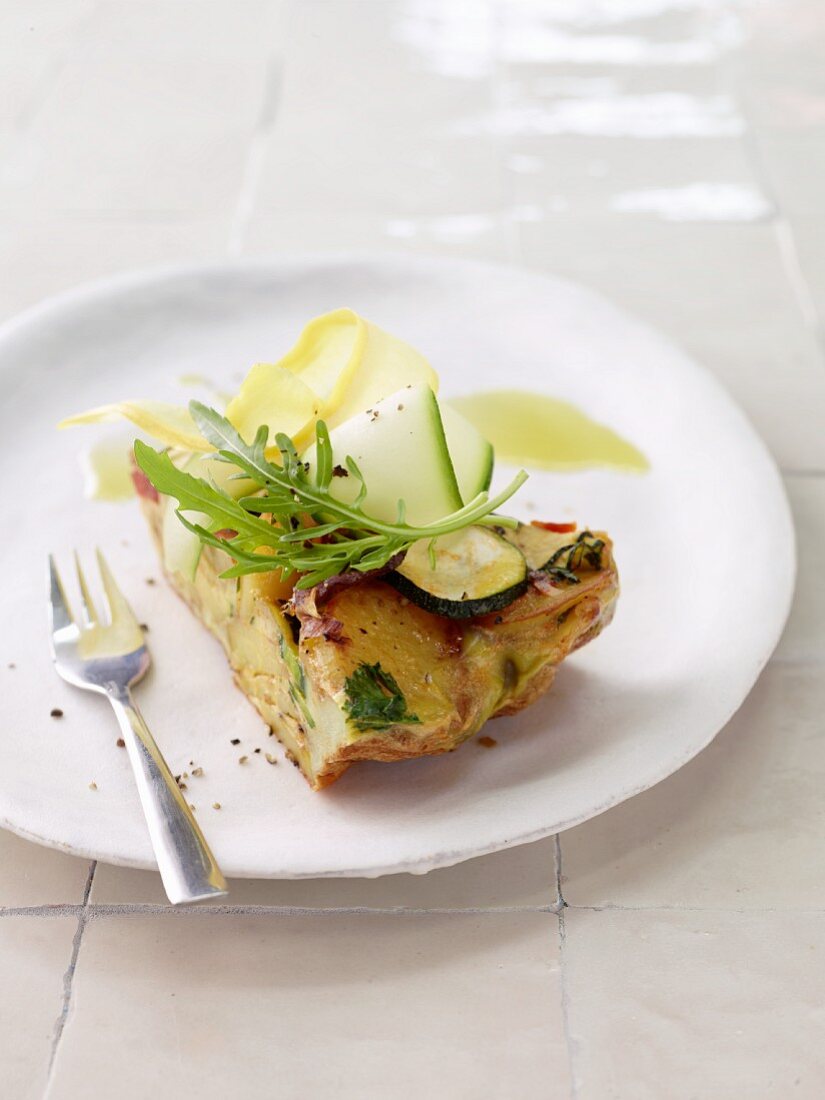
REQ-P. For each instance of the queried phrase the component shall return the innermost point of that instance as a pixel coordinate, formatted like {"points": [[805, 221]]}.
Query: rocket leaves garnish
{"points": [[292, 523]]}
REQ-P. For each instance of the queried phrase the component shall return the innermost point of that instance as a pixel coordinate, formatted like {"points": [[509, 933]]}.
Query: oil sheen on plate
{"points": [[530, 429]]}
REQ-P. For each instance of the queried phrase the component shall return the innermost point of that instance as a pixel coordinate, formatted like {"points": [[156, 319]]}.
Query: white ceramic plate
{"points": [[704, 544]]}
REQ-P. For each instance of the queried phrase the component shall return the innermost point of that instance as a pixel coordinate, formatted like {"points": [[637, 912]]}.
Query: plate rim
{"points": [[124, 282]]}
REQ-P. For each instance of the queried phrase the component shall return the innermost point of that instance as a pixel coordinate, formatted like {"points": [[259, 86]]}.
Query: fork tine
{"points": [[61, 612], [119, 609], [87, 605]]}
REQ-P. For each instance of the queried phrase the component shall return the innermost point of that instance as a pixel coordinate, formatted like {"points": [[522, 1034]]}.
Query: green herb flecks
{"points": [[374, 699], [297, 687], [585, 552], [292, 517]]}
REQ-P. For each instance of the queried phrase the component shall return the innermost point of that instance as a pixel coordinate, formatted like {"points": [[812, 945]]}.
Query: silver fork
{"points": [[108, 657]]}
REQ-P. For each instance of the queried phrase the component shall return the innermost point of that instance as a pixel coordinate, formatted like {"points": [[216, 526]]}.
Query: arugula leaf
{"points": [[374, 700], [196, 495], [218, 431], [293, 515]]}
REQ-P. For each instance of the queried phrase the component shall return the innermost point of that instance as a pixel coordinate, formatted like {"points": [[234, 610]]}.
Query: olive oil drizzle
{"points": [[531, 429], [107, 466]]}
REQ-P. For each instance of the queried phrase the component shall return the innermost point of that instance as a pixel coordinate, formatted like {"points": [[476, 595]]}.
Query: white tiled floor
{"points": [[714, 1010], [325, 1005], [34, 953], [669, 153]]}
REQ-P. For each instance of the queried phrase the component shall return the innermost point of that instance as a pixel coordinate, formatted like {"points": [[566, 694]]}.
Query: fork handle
{"points": [[187, 867]]}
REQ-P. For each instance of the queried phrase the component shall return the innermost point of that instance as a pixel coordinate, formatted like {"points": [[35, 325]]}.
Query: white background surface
{"points": [[666, 152]]}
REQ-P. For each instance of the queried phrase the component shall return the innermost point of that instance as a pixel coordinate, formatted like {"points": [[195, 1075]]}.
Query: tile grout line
{"points": [[756, 911], [59, 909], [68, 977], [508, 227], [560, 902], [789, 255], [55, 66], [782, 230], [563, 978], [256, 156], [98, 910]]}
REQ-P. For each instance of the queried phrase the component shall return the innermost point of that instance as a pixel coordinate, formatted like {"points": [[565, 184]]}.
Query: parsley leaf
{"points": [[374, 699], [579, 555]]}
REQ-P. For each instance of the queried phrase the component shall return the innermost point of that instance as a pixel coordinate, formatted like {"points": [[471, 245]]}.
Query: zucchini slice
{"points": [[472, 455], [476, 572], [400, 448]]}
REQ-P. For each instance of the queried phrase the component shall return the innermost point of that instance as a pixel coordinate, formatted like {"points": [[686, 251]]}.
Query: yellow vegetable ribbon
{"points": [[340, 365]]}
